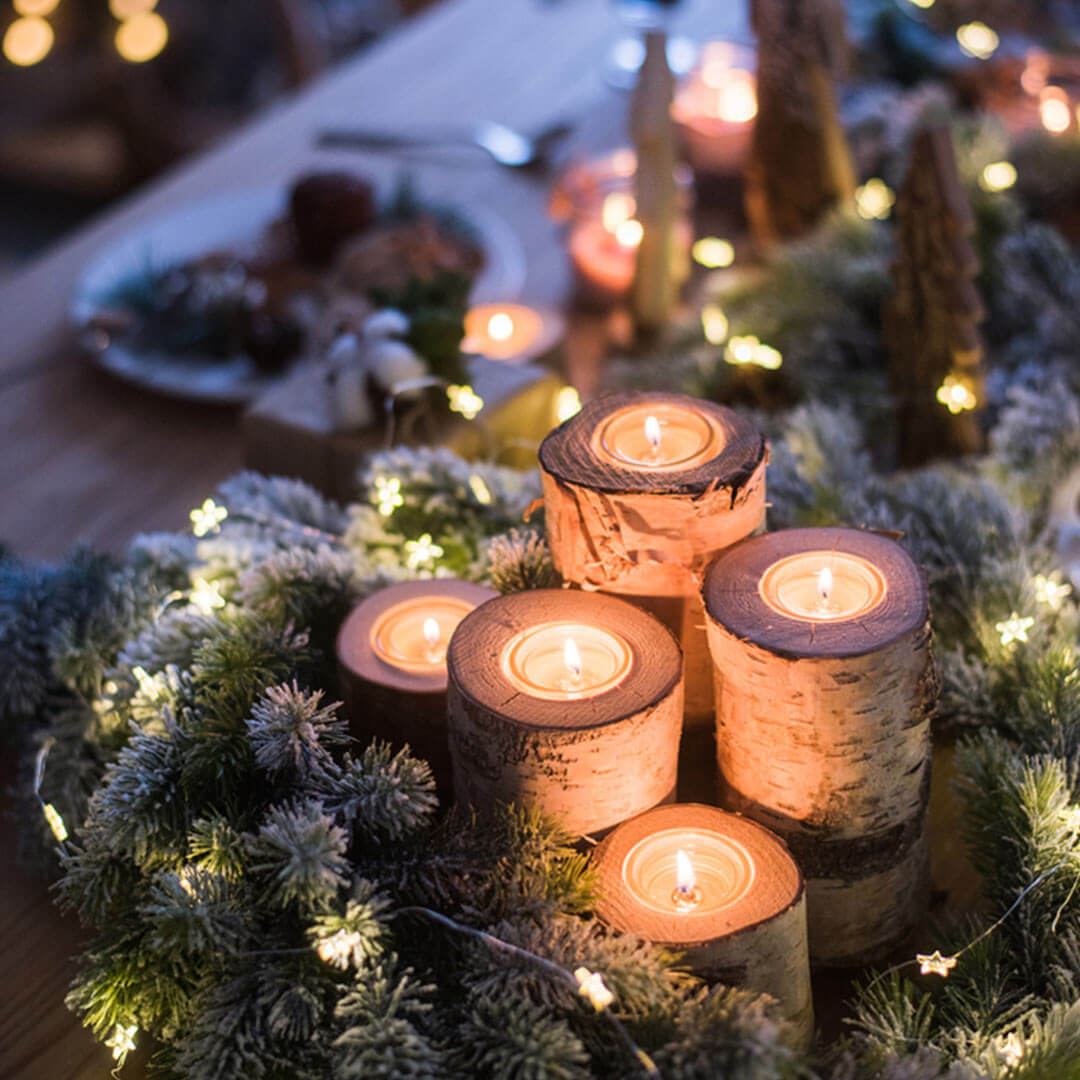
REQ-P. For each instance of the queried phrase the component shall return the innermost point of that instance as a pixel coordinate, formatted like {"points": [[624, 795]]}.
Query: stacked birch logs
{"points": [[754, 936], [823, 734], [649, 534], [389, 698], [589, 759]]}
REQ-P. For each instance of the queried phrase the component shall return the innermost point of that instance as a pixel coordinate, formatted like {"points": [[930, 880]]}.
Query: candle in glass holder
{"points": [[603, 250], [714, 110], [391, 653], [824, 687], [605, 236], [581, 189], [567, 701], [513, 333], [640, 493], [720, 889]]}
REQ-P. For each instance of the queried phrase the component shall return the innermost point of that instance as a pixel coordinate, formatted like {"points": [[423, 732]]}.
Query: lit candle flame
{"points": [[500, 326], [618, 208], [431, 632], [630, 233], [1054, 110], [717, 58], [824, 584], [737, 101], [652, 433], [572, 659], [684, 872]]}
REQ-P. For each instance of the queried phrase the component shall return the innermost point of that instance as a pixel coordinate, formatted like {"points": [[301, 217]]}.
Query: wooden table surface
{"points": [[89, 460]]}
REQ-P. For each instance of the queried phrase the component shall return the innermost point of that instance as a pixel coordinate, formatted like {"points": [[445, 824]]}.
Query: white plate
{"points": [[235, 221]]}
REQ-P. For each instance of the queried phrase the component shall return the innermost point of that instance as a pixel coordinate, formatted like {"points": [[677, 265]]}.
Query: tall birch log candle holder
{"points": [[719, 888], [391, 654], [641, 491], [825, 684], [567, 702]]}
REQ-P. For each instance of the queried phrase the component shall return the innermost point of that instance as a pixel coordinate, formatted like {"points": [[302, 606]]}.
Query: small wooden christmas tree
{"points": [[930, 321], [799, 165]]}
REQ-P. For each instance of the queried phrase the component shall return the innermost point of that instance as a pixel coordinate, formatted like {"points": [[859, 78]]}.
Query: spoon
{"points": [[505, 145]]}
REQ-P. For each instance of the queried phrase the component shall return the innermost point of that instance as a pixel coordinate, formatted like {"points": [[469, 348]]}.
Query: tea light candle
{"points": [[604, 253], [512, 333], [391, 653], [640, 493], [719, 888], [603, 247], [714, 111], [566, 701], [825, 684]]}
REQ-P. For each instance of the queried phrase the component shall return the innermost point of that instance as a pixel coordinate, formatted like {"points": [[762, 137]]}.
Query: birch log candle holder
{"points": [[640, 493], [820, 641], [720, 889], [391, 653], [564, 701]]}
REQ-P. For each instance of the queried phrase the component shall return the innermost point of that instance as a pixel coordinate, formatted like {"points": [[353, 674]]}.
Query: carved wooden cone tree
{"points": [[800, 166], [653, 132], [930, 322]]}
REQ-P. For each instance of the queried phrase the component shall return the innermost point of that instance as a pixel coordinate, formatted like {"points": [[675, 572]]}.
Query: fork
{"points": [[504, 144]]}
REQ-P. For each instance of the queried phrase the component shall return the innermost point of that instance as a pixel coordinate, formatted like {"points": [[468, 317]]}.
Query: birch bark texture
{"points": [[757, 940], [823, 735], [591, 761], [649, 534], [385, 702]]}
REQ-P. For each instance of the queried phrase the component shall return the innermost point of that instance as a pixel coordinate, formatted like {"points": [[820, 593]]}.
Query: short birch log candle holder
{"points": [[565, 701], [719, 888], [391, 653], [640, 493], [825, 684]]}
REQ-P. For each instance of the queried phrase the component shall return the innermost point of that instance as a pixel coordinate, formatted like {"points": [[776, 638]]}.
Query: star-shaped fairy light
{"points": [[206, 518], [388, 494], [122, 1041], [1051, 593], [479, 489], [591, 986], [874, 200], [421, 552], [56, 822], [998, 176], [337, 949], [713, 252], [1014, 629], [935, 963], [748, 349], [206, 596], [714, 324], [1011, 1050], [977, 40], [957, 394], [144, 679], [464, 400]]}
